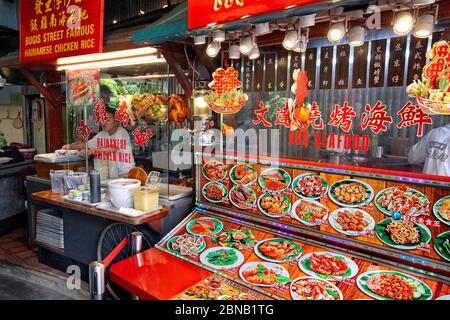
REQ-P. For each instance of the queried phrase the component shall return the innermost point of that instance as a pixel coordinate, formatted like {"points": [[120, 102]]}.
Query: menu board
{"points": [[258, 74], [287, 195], [248, 65], [311, 63], [326, 67], [377, 61], [282, 71], [250, 257], [397, 62], [270, 60], [360, 66], [342, 65], [417, 58]]}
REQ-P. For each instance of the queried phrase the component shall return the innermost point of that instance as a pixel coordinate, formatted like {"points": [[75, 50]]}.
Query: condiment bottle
{"points": [[96, 194]]}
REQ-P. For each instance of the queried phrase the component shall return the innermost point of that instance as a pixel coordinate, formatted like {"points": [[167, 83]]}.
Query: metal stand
{"points": [[97, 280], [136, 248]]}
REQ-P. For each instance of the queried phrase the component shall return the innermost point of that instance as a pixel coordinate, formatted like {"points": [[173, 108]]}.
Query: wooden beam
{"points": [[176, 68], [41, 88]]}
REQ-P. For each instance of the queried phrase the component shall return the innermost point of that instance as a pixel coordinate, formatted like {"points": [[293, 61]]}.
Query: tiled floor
{"points": [[14, 247]]}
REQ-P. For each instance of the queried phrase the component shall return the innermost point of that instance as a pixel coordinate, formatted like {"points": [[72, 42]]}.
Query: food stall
{"points": [[329, 181]]}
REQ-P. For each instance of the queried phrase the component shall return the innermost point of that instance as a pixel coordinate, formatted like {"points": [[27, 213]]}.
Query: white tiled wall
{"points": [[6, 126]]}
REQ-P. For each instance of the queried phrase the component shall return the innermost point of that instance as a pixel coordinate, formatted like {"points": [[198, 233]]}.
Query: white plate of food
{"points": [[221, 258], [311, 288], [274, 180], [274, 205], [243, 174], [278, 250], [215, 192], [264, 274], [310, 213], [242, 197], [351, 221], [441, 210], [214, 170], [310, 186], [328, 265], [407, 201], [350, 193], [402, 234]]}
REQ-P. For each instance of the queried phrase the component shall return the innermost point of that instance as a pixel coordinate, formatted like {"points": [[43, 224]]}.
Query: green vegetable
{"points": [[446, 245], [332, 293], [282, 279], [222, 257]]}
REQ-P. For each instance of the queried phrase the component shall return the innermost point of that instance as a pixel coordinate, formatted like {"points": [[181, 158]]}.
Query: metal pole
{"points": [[136, 248], [97, 280]]}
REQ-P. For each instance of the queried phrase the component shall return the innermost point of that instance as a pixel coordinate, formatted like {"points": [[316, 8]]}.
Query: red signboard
{"points": [[202, 13], [51, 29]]}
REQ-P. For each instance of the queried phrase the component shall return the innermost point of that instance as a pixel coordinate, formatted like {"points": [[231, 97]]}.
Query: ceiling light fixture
{"points": [[356, 36], [336, 32], [199, 40], [424, 26], [254, 53], [234, 52], [246, 44], [219, 36], [262, 29], [112, 63], [213, 49], [145, 51], [290, 40], [403, 23]]}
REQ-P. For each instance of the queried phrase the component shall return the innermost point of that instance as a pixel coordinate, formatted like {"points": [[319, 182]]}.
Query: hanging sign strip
{"points": [[282, 77], [396, 70], [377, 60], [248, 64], [342, 64], [270, 60], [259, 74], [360, 66], [326, 67], [310, 66], [417, 58]]}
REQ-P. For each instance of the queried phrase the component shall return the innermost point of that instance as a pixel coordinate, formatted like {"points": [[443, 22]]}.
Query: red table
{"points": [[154, 274]]}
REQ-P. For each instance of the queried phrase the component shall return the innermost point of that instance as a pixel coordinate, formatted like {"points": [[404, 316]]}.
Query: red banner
{"points": [[51, 29], [202, 13]]}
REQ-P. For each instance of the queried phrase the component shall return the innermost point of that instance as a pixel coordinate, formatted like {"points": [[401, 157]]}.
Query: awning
{"points": [[173, 26]]}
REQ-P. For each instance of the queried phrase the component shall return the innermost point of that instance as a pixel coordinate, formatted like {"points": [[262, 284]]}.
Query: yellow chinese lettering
{"points": [[48, 5], [62, 19], [33, 25], [38, 7], [67, 3], [43, 22], [84, 14], [219, 4], [53, 21], [58, 4]]}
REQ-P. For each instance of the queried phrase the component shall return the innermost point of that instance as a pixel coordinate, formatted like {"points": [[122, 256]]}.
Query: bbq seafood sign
{"points": [[221, 11], [51, 29]]}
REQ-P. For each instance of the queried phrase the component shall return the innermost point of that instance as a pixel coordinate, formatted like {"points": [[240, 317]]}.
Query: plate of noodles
{"points": [[402, 234]]}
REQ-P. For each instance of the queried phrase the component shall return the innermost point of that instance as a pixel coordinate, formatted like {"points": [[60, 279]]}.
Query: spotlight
{"points": [[356, 36], [336, 32], [234, 52], [254, 53], [424, 26], [246, 45], [290, 40], [403, 23], [213, 49], [198, 40], [219, 36]]}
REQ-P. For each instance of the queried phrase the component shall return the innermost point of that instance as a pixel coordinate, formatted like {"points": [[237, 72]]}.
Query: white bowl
{"points": [[121, 192]]}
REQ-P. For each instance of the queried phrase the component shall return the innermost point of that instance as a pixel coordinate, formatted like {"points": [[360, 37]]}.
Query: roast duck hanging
{"points": [[299, 111]]}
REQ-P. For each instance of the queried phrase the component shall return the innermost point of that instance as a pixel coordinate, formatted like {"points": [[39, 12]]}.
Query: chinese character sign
{"points": [[51, 29], [83, 131]]}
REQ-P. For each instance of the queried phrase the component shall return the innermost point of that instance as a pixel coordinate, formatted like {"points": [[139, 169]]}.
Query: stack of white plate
{"points": [[49, 228]]}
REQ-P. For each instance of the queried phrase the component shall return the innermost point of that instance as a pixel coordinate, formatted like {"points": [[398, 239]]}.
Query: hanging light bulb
{"points": [[219, 36], [356, 36], [254, 53], [403, 23], [246, 45], [424, 26], [234, 52], [290, 40], [213, 49], [336, 32]]}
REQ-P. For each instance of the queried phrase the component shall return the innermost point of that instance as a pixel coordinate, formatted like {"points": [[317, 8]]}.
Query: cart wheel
{"points": [[110, 237]]}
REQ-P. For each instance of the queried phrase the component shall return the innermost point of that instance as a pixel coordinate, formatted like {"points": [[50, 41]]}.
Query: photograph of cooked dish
{"points": [[221, 258], [407, 201], [441, 210], [274, 180], [214, 192], [351, 221], [238, 239], [392, 285], [243, 174], [186, 244], [310, 186], [214, 170], [274, 206], [402, 234], [442, 245], [309, 288], [328, 265], [278, 250], [350, 193], [204, 226], [264, 274], [310, 213], [242, 197]]}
